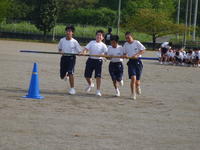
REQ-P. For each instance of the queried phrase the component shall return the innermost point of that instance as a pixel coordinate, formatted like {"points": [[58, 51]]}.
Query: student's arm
{"points": [[79, 49], [86, 48], [84, 51], [138, 54], [141, 50], [60, 48]]}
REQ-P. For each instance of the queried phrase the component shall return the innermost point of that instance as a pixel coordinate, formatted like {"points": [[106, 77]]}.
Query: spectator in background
{"points": [[196, 57], [108, 36], [164, 49]]}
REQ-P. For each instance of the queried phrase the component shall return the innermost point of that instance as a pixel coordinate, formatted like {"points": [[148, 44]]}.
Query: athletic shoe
{"points": [[121, 83], [89, 87], [72, 91], [161, 62], [117, 92], [138, 90], [133, 96], [98, 93]]}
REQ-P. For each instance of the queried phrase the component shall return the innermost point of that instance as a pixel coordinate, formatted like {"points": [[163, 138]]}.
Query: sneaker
{"points": [[121, 83], [161, 62], [98, 93], [117, 92], [72, 91], [133, 96], [89, 87], [138, 90]]}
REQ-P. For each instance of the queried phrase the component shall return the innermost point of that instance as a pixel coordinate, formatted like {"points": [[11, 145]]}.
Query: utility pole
{"points": [[186, 24], [195, 21], [178, 15], [190, 19], [119, 14]]}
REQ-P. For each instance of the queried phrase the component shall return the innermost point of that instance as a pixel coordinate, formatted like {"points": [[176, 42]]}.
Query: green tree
{"points": [[4, 5], [156, 24], [101, 16], [64, 6], [45, 16]]}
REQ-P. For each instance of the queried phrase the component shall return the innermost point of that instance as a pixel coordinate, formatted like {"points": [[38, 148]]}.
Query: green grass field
{"points": [[81, 30]]}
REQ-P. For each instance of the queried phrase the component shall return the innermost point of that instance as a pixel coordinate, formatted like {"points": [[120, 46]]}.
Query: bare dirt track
{"points": [[165, 117]]}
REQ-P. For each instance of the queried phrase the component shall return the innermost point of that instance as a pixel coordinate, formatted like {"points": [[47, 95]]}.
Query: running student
{"points": [[67, 62], [134, 49], [95, 47], [116, 66]]}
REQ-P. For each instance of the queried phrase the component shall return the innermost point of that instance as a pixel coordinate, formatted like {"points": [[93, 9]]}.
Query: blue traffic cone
{"points": [[34, 90]]}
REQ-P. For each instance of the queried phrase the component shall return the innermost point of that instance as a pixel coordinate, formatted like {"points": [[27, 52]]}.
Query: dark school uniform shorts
{"points": [[93, 65], [67, 64], [116, 70], [163, 51], [135, 67]]}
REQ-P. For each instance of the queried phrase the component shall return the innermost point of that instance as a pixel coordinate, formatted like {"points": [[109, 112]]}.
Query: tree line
{"points": [[154, 17]]}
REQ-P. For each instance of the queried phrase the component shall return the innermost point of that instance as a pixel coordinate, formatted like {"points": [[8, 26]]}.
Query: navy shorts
{"points": [[116, 70], [93, 65], [163, 51], [135, 67], [67, 64]]}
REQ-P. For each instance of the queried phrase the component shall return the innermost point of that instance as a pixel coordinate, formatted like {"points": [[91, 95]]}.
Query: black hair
{"points": [[128, 33], [177, 53], [109, 30], [100, 31], [114, 38], [70, 27]]}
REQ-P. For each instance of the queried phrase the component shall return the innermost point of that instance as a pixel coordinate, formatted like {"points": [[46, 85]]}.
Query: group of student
{"points": [[96, 49], [169, 55]]}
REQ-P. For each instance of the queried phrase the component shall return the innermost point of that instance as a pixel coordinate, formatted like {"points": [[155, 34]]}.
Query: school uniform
{"points": [[116, 68], [135, 66], [197, 55], [179, 57], [67, 62], [94, 63]]}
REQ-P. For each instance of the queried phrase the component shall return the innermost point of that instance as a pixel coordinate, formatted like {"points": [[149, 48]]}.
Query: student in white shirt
{"points": [[164, 49], [178, 57], [95, 47], [189, 57], [67, 62], [134, 49], [116, 68], [196, 58]]}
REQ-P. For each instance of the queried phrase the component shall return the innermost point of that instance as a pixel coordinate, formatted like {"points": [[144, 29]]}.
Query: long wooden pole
{"points": [[74, 54]]}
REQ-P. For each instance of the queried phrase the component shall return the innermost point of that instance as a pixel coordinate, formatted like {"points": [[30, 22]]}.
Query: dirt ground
{"points": [[165, 117]]}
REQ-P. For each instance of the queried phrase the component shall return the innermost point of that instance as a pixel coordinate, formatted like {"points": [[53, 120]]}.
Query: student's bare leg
{"points": [[132, 84], [89, 81], [71, 80], [115, 84], [137, 83], [98, 82], [138, 89]]}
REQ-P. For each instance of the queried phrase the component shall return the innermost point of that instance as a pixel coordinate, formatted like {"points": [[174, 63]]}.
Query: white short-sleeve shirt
{"points": [[197, 54], [96, 48], [69, 46], [189, 56], [118, 51], [133, 48]]}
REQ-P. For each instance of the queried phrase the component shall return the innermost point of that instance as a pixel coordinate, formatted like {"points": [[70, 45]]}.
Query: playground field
{"points": [[165, 117]]}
